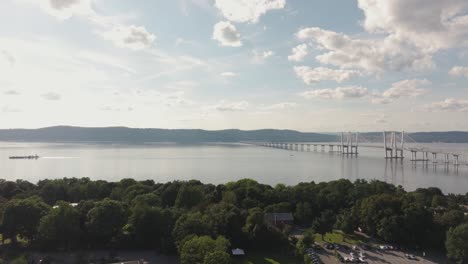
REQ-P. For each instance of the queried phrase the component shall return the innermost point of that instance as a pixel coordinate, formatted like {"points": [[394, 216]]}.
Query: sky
{"points": [[308, 65]]}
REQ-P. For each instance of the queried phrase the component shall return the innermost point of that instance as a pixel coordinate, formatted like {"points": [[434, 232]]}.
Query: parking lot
{"points": [[377, 257]]}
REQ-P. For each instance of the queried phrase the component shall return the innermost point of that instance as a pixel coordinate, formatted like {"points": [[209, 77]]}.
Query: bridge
{"points": [[394, 145]]}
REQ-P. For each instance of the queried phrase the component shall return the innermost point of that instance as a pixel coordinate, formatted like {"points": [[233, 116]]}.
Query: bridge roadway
{"points": [[351, 148]]}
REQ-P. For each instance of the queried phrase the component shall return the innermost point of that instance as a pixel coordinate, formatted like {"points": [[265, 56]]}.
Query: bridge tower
{"points": [[349, 147], [395, 149]]}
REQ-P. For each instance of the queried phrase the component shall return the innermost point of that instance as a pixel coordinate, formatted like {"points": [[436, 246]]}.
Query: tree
{"points": [[189, 196], [217, 257], [190, 224], [22, 216], [324, 223], [457, 243], [198, 250], [105, 221], [150, 226], [60, 227], [304, 213]]}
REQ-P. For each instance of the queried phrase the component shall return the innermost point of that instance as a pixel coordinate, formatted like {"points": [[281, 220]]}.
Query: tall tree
{"points": [[457, 243], [199, 250], [60, 227], [21, 217], [105, 221]]}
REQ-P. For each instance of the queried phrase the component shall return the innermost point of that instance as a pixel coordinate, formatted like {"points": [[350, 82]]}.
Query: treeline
{"points": [[201, 222]]}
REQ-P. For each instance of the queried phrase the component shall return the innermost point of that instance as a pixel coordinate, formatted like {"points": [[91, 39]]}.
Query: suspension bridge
{"points": [[394, 145]]}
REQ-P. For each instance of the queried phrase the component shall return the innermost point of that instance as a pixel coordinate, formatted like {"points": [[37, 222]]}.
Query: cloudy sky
{"points": [[309, 65]]}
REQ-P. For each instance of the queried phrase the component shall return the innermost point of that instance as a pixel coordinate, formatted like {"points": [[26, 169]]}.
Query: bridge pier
{"points": [[455, 161], [434, 157]]}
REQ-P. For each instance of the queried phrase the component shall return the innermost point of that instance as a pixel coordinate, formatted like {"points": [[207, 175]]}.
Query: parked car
{"points": [[411, 256]]}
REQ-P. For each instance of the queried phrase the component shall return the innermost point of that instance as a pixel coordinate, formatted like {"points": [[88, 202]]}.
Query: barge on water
{"points": [[25, 157]]}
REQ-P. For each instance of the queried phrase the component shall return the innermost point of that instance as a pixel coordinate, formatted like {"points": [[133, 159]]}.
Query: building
{"points": [[279, 218], [238, 252]]}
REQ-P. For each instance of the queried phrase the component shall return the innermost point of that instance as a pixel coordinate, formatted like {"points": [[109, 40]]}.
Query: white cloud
{"points": [[448, 105], [226, 34], [10, 58], [347, 92], [261, 56], [133, 37], [64, 9], [459, 71], [51, 96], [312, 75], [247, 10], [407, 88], [298, 53], [281, 106], [125, 36], [436, 24], [373, 55], [404, 88], [224, 106], [229, 74], [11, 92]]}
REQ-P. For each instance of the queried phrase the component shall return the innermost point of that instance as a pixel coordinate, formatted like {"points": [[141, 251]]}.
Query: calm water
{"points": [[221, 163]]}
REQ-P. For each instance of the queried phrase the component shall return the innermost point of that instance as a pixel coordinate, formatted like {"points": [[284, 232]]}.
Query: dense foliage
{"points": [[201, 222]]}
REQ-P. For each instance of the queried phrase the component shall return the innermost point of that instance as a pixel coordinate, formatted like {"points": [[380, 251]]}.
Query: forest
{"points": [[201, 223]]}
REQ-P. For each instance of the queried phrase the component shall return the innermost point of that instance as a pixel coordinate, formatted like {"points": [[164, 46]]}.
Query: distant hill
{"points": [[147, 135], [137, 135]]}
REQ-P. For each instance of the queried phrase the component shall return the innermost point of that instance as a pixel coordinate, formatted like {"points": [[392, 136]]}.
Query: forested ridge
{"points": [[202, 222]]}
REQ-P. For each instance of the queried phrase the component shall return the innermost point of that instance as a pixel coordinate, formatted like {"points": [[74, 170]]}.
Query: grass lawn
{"points": [[340, 238], [267, 258]]}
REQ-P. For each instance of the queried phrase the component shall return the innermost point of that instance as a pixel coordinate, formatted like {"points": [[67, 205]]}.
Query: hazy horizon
{"points": [[221, 129]]}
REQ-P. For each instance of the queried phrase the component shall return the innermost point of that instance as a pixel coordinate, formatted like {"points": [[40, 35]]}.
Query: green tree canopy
{"points": [[457, 243], [199, 250], [22, 217], [105, 221], [60, 227]]}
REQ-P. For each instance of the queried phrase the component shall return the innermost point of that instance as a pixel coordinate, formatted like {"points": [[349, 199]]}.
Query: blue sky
{"points": [[365, 65]]}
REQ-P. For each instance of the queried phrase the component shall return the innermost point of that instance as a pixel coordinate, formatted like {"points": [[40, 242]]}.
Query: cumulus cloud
{"points": [[448, 105], [11, 92], [229, 74], [407, 88], [459, 71], [133, 37], [51, 96], [347, 92], [224, 106], [64, 9], [436, 24], [281, 106], [10, 58], [61, 4], [226, 34], [261, 56], [247, 10], [312, 75], [125, 36], [373, 55], [298, 53], [404, 88]]}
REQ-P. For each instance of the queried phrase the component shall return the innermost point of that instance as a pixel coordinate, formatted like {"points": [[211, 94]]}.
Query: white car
{"points": [[411, 256]]}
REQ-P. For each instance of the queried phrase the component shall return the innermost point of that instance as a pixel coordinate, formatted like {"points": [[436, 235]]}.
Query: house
{"points": [[238, 252], [132, 262], [279, 218]]}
